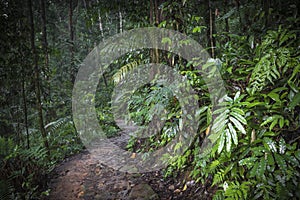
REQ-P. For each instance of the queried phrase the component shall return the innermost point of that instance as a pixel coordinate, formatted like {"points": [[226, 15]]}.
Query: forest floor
{"points": [[82, 176]]}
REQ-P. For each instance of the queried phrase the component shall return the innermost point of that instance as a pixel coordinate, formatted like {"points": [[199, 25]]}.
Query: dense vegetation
{"points": [[255, 45]]}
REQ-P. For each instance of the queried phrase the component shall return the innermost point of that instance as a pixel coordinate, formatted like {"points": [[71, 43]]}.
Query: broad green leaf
{"points": [[250, 105], [292, 160], [221, 110], [270, 144], [237, 95], [198, 29], [221, 117], [221, 143], [239, 117], [274, 96], [279, 89], [281, 122], [228, 98], [280, 162], [293, 86], [228, 140], [237, 124], [233, 133], [268, 120], [209, 116], [274, 122], [220, 128], [201, 110], [238, 110], [295, 101], [261, 168], [253, 171], [282, 146], [248, 161], [270, 159], [220, 122], [163, 24]]}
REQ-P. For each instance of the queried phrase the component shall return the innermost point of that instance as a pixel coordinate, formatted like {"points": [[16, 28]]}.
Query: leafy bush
{"points": [[255, 153], [24, 171]]}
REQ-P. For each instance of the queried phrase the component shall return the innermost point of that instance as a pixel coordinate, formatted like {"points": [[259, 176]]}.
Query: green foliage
{"points": [[272, 59], [121, 73], [21, 170], [145, 105], [229, 122], [63, 139], [261, 164], [24, 171], [254, 132]]}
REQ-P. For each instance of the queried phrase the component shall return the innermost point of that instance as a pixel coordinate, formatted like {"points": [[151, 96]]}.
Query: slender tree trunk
{"points": [[25, 112], [211, 30], [151, 12], [100, 23], [226, 20], [44, 34], [154, 20], [46, 56], [100, 26], [156, 12], [121, 20], [71, 32], [151, 20], [237, 4], [36, 79], [102, 35]]}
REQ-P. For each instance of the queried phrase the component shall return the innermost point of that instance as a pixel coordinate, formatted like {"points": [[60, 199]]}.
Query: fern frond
{"points": [[264, 71], [53, 126], [218, 177], [121, 73]]}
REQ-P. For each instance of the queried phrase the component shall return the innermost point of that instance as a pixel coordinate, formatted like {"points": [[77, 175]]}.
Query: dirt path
{"points": [[82, 176]]}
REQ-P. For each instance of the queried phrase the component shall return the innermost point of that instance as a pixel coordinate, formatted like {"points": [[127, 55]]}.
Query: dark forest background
{"points": [[255, 44]]}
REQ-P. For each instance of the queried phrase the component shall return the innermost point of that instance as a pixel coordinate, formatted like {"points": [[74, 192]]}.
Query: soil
{"points": [[83, 177]]}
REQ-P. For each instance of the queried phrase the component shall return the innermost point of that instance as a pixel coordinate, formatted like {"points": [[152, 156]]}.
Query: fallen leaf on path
{"points": [[80, 194], [177, 191], [133, 155]]}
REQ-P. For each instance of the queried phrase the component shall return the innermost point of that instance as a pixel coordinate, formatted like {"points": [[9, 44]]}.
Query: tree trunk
{"points": [[211, 30], [100, 25], [154, 20], [44, 34], [46, 55], [25, 112], [121, 20], [226, 20], [36, 79], [71, 31]]}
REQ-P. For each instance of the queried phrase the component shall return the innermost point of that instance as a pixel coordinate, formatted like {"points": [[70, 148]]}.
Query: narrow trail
{"points": [[83, 177]]}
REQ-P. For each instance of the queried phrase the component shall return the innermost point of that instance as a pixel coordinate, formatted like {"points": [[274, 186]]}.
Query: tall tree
{"points": [[46, 53], [37, 78]]}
